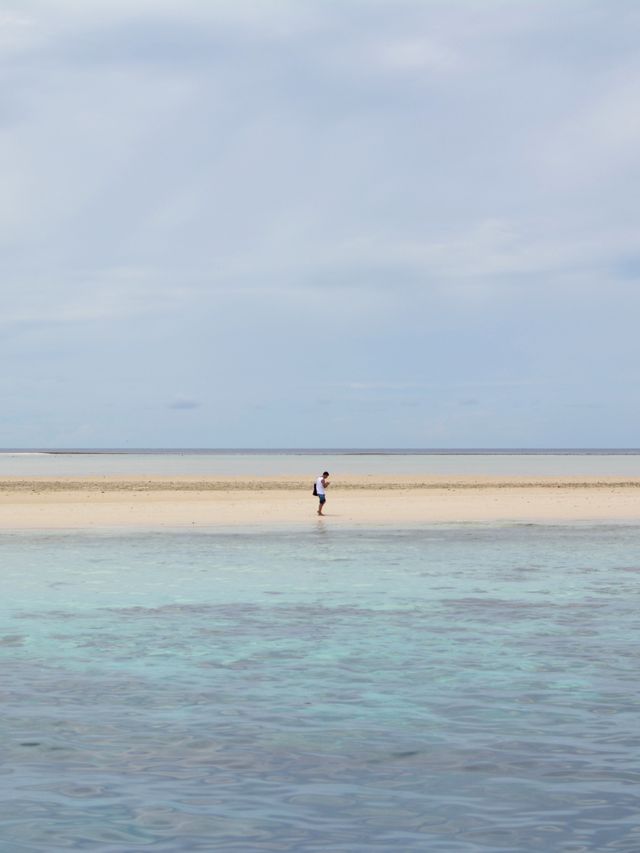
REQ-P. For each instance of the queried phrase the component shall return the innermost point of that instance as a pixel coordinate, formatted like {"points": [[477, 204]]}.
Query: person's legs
{"points": [[321, 505]]}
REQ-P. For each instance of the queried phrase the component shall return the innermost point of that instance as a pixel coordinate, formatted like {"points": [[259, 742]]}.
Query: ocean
{"points": [[464, 687], [261, 463]]}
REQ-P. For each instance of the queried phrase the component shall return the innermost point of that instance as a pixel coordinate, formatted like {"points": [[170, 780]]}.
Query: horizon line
{"points": [[317, 450]]}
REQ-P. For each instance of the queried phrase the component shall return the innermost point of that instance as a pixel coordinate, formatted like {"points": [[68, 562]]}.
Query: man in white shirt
{"points": [[322, 484]]}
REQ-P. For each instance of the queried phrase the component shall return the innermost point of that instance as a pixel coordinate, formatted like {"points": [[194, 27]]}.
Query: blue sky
{"points": [[357, 223]]}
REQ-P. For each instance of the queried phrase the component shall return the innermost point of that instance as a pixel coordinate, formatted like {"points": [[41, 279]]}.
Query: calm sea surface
{"points": [[262, 463], [461, 688]]}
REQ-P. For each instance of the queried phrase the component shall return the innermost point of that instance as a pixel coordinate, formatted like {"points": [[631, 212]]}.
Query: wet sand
{"points": [[56, 503]]}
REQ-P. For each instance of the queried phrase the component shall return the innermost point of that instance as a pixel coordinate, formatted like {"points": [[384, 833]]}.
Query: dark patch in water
{"points": [[12, 640], [407, 754]]}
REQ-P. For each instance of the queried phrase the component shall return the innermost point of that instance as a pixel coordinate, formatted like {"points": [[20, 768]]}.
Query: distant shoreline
{"points": [[331, 451]]}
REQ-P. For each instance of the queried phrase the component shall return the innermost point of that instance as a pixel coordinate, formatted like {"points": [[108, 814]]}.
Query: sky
{"points": [[319, 223]]}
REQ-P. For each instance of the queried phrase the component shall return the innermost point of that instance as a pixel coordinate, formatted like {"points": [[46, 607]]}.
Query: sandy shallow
{"points": [[187, 502]]}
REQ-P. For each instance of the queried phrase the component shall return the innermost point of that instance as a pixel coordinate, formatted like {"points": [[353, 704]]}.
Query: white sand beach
{"points": [[109, 502]]}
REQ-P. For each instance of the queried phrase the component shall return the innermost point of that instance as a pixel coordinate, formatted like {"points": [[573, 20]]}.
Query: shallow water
{"points": [[467, 688], [310, 463]]}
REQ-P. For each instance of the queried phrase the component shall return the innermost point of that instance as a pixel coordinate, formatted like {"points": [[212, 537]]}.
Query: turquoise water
{"points": [[467, 688]]}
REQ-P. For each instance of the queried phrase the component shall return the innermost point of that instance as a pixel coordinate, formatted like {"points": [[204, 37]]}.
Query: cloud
{"points": [[416, 54], [597, 142], [184, 404], [18, 32], [107, 296]]}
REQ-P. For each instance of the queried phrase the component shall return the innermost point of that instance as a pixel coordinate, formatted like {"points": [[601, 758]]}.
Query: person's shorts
{"points": [[322, 498]]}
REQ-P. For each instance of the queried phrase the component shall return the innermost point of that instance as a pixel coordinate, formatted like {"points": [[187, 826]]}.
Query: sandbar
{"points": [[161, 503]]}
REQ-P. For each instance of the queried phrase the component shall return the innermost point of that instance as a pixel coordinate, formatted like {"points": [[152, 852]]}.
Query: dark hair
{"points": [[325, 473]]}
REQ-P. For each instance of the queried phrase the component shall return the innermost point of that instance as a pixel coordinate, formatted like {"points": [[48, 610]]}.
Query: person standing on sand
{"points": [[322, 484]]}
